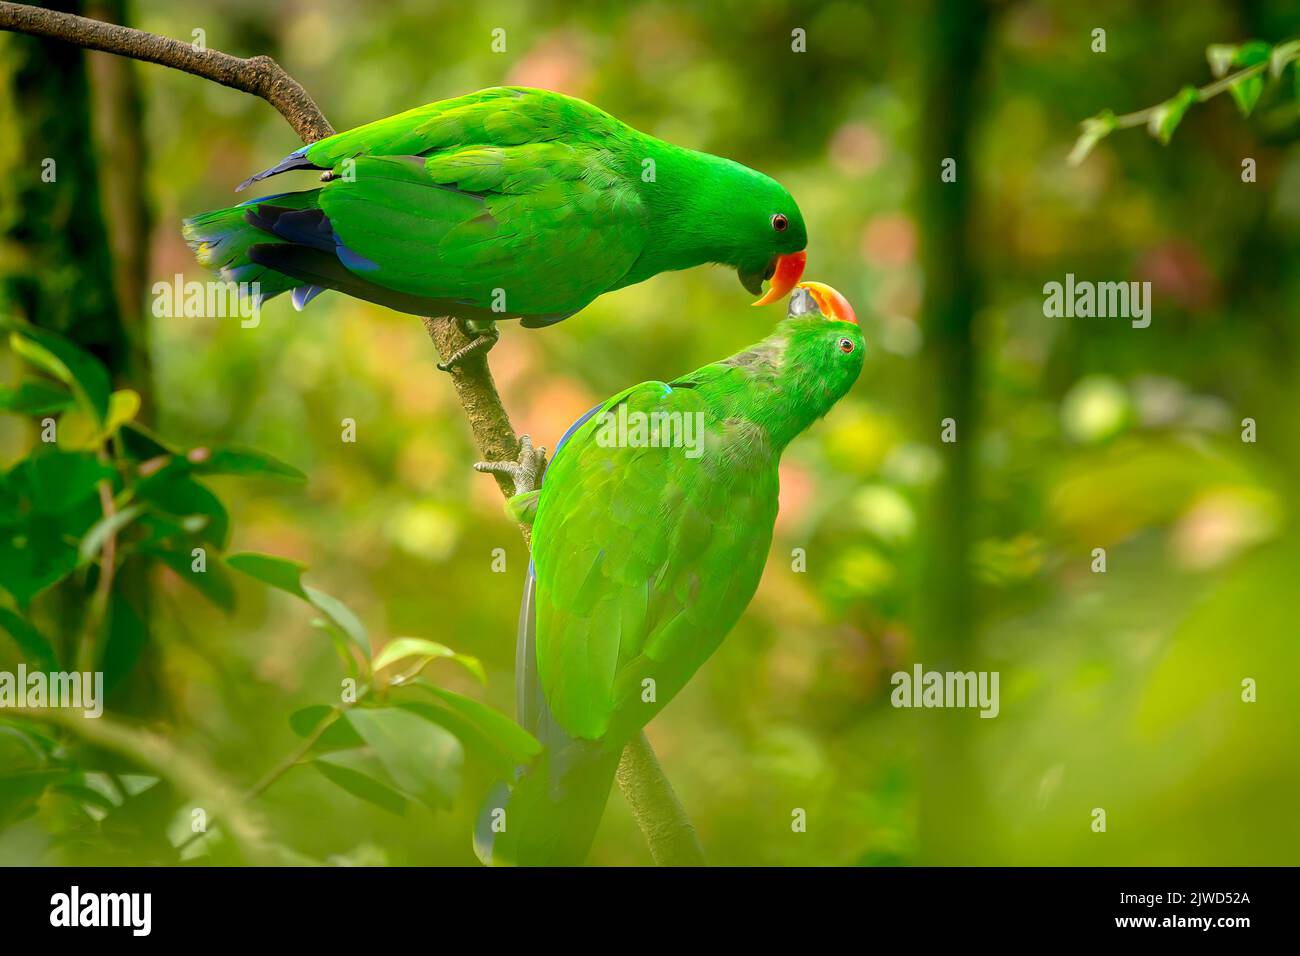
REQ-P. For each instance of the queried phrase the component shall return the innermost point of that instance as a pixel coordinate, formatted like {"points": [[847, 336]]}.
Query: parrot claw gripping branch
{"points": [[525, 471]]}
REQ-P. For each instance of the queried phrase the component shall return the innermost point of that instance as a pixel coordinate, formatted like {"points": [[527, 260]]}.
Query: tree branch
{"points": [[260, 75], [488, 422], [657, 811], [659, 814]]}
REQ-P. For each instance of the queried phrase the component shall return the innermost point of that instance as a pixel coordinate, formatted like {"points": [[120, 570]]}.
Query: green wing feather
{"points": [[452, 200], [645, 560], [502, 116]]}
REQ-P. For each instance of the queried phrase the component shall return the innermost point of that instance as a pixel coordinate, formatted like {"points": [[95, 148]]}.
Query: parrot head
{"points": [[707, 209], [820, 349], [807, 364], [771, 239]]}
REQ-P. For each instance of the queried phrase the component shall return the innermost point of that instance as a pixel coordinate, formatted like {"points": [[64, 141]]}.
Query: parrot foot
{"points": [[524, 471], [480, 344]]}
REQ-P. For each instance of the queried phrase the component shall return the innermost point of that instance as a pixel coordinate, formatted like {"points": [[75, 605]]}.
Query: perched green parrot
{"points": [[645, 556], [506, 203]]}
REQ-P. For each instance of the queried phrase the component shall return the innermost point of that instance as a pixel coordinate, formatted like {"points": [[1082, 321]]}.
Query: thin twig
{"points": [[1209, 91], [287, 764], [278, 771]]}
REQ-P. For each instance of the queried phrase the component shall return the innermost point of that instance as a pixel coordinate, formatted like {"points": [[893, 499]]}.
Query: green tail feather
{"points": [[550, 815], [221, 239]]}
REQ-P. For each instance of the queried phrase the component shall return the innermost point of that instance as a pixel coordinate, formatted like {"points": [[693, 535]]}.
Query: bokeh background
{"points": [[1119, 690]]}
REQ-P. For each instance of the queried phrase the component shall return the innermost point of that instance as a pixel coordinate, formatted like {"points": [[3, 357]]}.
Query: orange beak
{"points": [[789, 268], [829, 302]]}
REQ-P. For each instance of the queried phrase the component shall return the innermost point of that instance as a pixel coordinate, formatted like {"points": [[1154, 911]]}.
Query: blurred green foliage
{"points": [[1120, 690]]}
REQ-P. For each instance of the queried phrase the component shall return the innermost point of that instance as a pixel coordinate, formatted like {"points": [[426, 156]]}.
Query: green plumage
{"points": [[645, 557], [506, 203]]}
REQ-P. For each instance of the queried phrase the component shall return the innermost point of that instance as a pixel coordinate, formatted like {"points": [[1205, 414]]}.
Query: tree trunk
{"points": [[57, 270], [117, 112], [951, 795], [76, 262]]}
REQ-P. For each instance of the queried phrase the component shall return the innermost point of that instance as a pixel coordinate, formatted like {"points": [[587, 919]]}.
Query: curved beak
{"points": [[784, 272], [829, 302]]}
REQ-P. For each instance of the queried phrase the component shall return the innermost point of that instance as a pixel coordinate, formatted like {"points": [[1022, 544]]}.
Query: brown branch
{"points": [[493, 434], [657, 811], [659, 814], [259, 75]]}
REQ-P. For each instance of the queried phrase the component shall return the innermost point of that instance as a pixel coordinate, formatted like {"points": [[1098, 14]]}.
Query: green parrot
{"points": [[645, 556], [506, 203]]}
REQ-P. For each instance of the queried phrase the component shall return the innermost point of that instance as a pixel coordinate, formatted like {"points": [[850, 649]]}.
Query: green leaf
{"points": [[35, 398], [423, 759], [341, 643], [123, 405], [213, 582], [278, 572], [487, 731], [127, 635], [241, 461], [80, 371], [1245, 93], [34, 557], [140, 444], [1282, 54], [84, 795], [1251, 53], [341, 616], [339, 735], [287, 576], [1224, 56], [94, 540], [1220, 57], [36, 650], [355, 773], [19, 792], [181, 496], [57, 481], [24, 745], [1095, 129], [419, 650], [79, 430], [1166, 117]]}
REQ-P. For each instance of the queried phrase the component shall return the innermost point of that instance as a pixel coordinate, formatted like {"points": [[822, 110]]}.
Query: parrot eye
{"points": [[780, 223], [846, 346]]}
